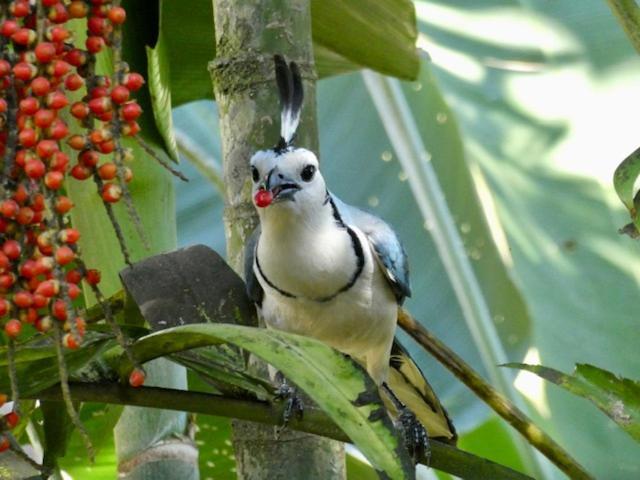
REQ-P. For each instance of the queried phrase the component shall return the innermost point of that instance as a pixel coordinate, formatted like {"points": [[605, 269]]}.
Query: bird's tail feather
{"points": [[411, 387]]}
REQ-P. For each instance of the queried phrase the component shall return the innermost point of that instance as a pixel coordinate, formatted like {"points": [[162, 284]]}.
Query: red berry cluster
{"points": [[41, 67]]}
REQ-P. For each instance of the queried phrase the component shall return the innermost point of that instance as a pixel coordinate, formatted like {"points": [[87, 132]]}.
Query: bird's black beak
{"points": [[281, 187]]}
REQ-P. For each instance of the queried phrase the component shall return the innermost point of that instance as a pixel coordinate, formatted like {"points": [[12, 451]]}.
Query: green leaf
{"points": [[37, 367], [376, 34], [624, 179], [618, 398], [189, 38], [158, 81], [57, 429], [337, 385]]}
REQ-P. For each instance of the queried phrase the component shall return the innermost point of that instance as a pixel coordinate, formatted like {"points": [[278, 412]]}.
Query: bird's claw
{"points": [[415, 435], [294, 404]]}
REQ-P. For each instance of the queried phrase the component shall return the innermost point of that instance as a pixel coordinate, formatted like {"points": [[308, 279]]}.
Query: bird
{"points": [[318, 267]]}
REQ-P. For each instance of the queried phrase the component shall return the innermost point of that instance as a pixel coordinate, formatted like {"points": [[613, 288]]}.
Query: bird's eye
{"points": [[307, 173], [255, 174]]}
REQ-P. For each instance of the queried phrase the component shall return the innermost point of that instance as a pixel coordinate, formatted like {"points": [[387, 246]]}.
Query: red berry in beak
{"points": [[263, 198]]}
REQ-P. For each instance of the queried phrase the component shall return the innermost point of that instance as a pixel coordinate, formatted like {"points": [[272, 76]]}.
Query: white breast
{"points": [[359, 322]]}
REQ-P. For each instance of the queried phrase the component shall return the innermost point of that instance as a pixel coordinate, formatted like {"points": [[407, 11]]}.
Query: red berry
{"points": [[94, 44], [35, 169], [107, 146], [69, 235], [20, 8], [100, 105], [59, 310], [46, 148], [29, 105], [22, 299], [63, 204], [130, 111], [130, 129], [133, 81], [64, 255], [108, 171], [11, 249], [11, 419], [93, 277], [13, 327], [80, 172], [117, 15], [24, 36], [263, 198], [59, 162], [80, 110], [111, 192], [8, 28], [100, 135], [43, 117], [53, 180], [78, 9], [7, 280], [25, 216], [57, 34], [89, 158], [73, 82], [96, 25], [9, 208], [137, 377], [48, 288], [69, 341], [58, 129], [5, 68], [58, 13], [24, 71], [27, 137], [40, 86], [56, 100], [59, 68], [77, 142], [45, 52], [4, 307], [4, 443], [76, 57], [120, 94], [73, 276]]}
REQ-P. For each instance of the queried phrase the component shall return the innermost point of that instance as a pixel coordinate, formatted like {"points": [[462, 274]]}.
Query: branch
{"points": [[498, 402], [443, 457], [627, 13]]}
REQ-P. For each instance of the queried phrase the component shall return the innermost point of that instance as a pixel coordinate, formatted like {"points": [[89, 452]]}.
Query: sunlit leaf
{"points": [[335, 383], [617, 397]]}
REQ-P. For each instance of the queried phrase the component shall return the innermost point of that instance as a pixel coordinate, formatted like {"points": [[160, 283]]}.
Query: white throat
{"points": [[308, 255]]}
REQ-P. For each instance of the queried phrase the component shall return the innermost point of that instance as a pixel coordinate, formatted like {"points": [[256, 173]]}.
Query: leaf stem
{"points": [[498, 402], [443, 457], [627, 13]]}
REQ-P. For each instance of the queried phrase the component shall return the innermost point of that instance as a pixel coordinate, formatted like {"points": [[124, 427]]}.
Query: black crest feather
{"points": [[291, 94]]}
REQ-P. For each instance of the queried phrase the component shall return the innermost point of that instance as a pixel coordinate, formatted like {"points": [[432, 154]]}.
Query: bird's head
{"points": [[286, 178]]}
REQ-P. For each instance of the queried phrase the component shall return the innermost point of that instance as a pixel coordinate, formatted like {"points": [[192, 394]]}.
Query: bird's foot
{"points": [[294, 405], [415, 436]]}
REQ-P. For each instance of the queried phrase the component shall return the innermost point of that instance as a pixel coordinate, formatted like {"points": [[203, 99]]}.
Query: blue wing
{"points": [[254, 290], [385, 243]]}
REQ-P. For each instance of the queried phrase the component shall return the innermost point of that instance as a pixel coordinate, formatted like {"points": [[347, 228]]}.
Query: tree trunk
{"points": [[248, 34]]}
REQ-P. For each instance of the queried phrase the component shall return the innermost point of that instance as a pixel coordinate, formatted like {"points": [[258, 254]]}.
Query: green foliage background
{"points": [[543, 93]]}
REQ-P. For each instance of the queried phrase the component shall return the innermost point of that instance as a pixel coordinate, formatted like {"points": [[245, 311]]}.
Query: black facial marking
{"points": [[255, 174]]}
